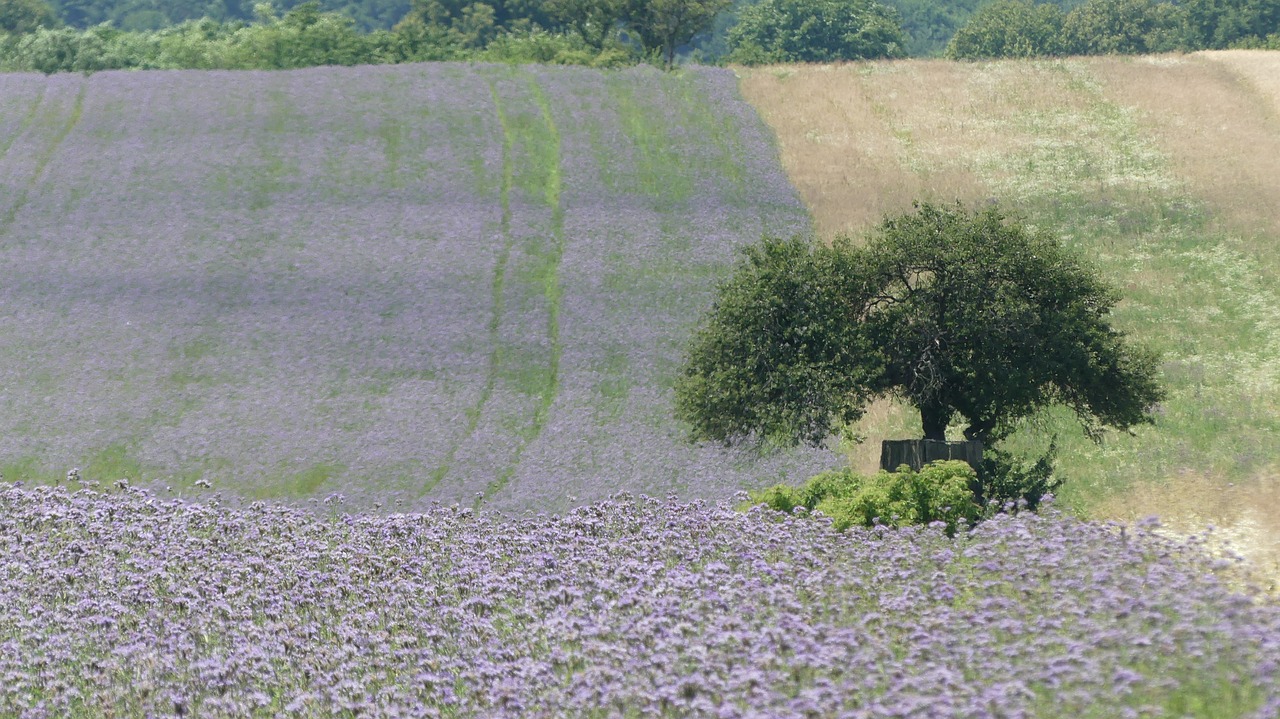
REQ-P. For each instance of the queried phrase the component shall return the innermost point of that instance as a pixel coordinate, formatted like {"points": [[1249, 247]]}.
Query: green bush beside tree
{"points": [[939, 492]]}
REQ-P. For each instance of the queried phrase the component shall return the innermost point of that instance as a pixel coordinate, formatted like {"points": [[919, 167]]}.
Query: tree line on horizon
{"points": [[1023, 28], [93, 35]]}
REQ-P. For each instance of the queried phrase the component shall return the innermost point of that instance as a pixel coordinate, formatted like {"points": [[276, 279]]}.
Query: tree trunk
{"points": [[935, 420]]}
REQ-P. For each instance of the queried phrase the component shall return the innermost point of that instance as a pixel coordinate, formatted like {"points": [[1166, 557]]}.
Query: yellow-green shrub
{"points": [[940, 492]]}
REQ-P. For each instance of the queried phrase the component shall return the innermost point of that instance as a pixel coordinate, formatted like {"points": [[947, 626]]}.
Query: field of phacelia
{"points": [[129, 605], [400, 283], [440, 286]]}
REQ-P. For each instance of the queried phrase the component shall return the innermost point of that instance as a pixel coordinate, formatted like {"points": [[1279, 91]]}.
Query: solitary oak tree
{"points": [[961, 313]]}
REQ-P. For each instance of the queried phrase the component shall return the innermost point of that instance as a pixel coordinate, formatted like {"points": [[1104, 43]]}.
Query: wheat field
{"points": [[1164, 170]]}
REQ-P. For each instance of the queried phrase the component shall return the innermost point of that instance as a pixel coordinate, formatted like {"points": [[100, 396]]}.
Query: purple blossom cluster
{"points": [[126, 604], [434, 281]]}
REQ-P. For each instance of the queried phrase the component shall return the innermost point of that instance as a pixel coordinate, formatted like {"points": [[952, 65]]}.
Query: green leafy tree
{"points": [[1010, 28], [1123, 27], [1217, 24], [593, 20], [665, 25], [23, 16], [929, 24], [782, 355], [963, 314], [777, 31]]}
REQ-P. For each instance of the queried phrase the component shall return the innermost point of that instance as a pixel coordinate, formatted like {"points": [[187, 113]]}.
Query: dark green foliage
{"points": [[962, 313], [304, 37], [19, 16], [546, 48], [999, 29], [154, 15], [940, 492], [1003, 480], [927, 26], [930, 24], [1020, 28], [1010, 28], [982, 317], [776, 31], [593, 20], [1218, 24], [63, 50], [782, 356], [660, 25], [599, 33], [1124, 27], [471, 24], [664, 25]]}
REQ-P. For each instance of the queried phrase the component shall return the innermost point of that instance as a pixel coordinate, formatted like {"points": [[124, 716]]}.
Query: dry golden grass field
{"points": [[1164, 170]]}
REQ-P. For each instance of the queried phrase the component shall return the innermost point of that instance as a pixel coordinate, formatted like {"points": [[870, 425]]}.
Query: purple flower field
{"points": [[415, 290], [128, 604], [414, 282]]}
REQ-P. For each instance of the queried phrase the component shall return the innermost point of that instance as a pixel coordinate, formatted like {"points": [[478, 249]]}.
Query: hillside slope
{"points": [[425, 282], [1164, 170]]}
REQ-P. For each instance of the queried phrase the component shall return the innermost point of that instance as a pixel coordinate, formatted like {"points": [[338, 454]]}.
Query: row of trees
{"points": [[602, 33], [608, 33], [1022, 28], [303, 37]]}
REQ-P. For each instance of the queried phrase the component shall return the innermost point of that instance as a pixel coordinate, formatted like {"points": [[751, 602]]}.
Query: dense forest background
{"points": [[91, 35], [928, 24]]}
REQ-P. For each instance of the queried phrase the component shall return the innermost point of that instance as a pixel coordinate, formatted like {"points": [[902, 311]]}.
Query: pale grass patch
{"points": [[1260, 68], [1161, 60], [864, 140], [1244, 517], [1062, 138], [1216, 115], [1243, 282], [858, 140], [884, 419]]}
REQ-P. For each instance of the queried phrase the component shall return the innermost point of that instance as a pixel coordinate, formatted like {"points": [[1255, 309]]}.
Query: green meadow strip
{"points": [[77, 110], [1094, 176], [499, 282], [549, 154], [270, 180], [656, 161], [26, 122]]}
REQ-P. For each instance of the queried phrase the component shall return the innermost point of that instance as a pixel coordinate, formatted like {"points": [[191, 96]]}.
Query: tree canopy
{"points": [[963, 314], [1010, 28], [21, 16], [777, 31], [1023, 28], [664, 25]]}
